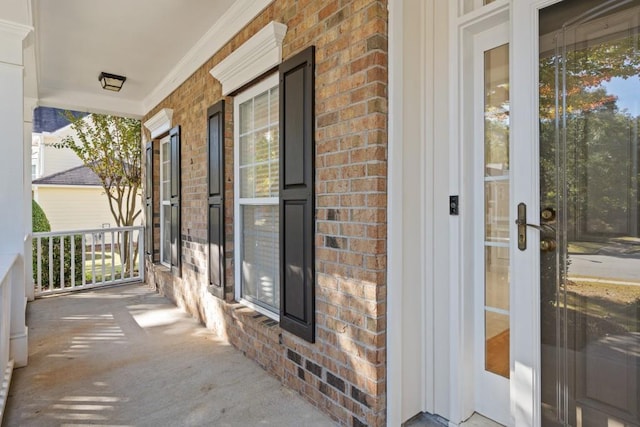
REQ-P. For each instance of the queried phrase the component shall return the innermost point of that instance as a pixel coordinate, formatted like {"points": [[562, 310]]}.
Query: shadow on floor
{"points": [[125, 356]]}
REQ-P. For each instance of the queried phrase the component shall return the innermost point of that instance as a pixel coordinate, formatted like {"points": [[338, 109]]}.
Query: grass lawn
{"points": [[614, 303], [107, 262]]}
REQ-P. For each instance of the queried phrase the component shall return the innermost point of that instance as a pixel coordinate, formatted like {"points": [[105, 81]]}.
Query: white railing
{"points": [[83, 259], [7, 266]]}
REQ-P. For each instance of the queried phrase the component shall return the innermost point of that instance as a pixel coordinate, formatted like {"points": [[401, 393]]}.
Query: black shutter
{"points": [[215, 149], [174, 135], [297, 225], [148, 225]]}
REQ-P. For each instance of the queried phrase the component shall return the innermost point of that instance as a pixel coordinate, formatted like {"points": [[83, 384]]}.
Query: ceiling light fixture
{"points": [[111, 81]]}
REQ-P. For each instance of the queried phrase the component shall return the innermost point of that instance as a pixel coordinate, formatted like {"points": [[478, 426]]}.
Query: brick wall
{"points": [[343, 373]]}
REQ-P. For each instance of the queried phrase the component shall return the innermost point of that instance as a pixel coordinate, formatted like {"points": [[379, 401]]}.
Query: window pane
{"points": [[261, 111], [246, 116], [166, 233], [247, 149], [274, 155], [262, 145], [260, 271], [274, 105], [247, 182], [165, 190], [274, 143], [275, 178], [263, 184]]}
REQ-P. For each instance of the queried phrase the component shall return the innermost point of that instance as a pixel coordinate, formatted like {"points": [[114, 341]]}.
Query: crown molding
{"points": [[11, 36], [228, 25], [160, 122], [254, 57]]}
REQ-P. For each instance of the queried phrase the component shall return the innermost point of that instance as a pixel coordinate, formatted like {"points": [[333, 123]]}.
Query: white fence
{"points": [[83, 259], [7, 278]]}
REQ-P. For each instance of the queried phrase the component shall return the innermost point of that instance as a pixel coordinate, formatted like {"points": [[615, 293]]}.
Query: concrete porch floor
{"points": [[125, 356]]}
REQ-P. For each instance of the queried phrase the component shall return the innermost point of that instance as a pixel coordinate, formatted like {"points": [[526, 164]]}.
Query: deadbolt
{"points": [[548, 214], [548, 245]]}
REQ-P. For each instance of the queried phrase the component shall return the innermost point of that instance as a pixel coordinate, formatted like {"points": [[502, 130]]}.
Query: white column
{"points": [[29, 105], [13, 215]]}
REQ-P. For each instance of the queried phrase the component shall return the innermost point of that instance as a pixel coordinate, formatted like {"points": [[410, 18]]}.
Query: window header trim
{"points": [[254, 57]]}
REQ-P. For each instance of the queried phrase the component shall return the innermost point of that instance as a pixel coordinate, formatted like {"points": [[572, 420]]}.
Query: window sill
{"points": [[242, 312], [258, 309], [161, 268]]}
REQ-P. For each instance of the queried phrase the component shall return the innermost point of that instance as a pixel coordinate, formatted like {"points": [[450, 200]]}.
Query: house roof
{"points": [[80, 175], [47, 119]]}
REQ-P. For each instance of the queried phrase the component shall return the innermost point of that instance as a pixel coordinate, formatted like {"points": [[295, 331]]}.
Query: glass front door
{"points": [[590, 217]]}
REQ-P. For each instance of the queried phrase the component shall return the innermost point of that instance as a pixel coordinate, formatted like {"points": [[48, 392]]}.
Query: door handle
{"points": [[521, 221]]}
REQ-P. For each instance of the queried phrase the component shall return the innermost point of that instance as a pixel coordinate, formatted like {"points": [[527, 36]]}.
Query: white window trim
{"points": [[253, 91], [163, 202]]}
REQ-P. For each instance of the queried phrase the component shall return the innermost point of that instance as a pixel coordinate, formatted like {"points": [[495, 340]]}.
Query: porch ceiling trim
{"points": [[230, 23]]}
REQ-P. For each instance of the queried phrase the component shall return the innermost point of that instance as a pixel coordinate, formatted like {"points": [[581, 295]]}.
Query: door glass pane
{"points": [[589, 174], [497, 343], [496, 195], [497, 278]]}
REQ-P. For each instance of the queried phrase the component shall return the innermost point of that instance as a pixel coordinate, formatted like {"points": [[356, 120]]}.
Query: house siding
{"points": [[56, 159], [344, 371], [75, 207]]}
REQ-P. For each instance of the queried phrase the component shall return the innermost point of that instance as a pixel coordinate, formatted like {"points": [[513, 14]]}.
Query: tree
{"points": [[111, 147]]}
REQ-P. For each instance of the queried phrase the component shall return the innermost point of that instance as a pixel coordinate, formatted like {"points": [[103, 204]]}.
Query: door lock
{"points": [[546, 244]]}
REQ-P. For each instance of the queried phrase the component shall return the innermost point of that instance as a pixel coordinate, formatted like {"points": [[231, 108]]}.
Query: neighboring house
{"points": [[70, 194], [50, 127], [73, 200], [381, 202]]}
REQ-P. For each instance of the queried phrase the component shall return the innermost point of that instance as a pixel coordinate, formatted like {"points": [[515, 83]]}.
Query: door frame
{"points": [[434, 156]]}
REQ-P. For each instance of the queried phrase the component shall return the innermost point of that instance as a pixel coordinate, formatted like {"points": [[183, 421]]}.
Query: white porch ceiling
{"points": [[144, 40]]}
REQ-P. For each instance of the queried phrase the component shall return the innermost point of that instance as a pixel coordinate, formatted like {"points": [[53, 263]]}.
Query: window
{"points": [[165, 201], [257, 153]]}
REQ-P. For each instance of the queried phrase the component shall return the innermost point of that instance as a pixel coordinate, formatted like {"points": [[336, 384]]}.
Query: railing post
{"points": [[39, 263], [28, 266], [141, 252]]}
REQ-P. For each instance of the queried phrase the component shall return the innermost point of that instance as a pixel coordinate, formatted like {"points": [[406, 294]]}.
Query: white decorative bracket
{"points": [[160, 122], [254, 57]]}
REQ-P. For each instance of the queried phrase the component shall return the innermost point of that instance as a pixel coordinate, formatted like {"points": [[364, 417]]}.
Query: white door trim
{"points": [[394, 217], [417, 268]]}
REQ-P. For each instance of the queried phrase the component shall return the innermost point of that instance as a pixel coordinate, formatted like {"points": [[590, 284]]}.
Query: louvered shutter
{"points": [[215, 150], [297, 225], [174, 138]]}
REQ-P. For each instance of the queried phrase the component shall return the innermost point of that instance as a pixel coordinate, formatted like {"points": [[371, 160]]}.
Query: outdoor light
{"points": [[111, 81]]}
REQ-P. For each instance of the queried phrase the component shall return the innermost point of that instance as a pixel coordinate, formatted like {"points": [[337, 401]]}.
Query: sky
{"points": [[627, 91]]}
